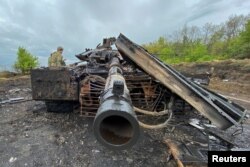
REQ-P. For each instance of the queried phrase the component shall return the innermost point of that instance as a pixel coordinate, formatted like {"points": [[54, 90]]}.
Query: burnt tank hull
{"points": [[113, 91]]}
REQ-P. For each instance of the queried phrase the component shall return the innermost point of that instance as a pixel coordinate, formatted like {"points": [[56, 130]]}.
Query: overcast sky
{"points": [[41, 26]]}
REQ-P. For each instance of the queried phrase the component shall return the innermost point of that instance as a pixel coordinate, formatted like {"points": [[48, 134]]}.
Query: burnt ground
{"points": [[30, 136]]}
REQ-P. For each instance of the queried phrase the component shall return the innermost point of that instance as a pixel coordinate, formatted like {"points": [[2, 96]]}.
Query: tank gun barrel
{"points": [[115, 124]]}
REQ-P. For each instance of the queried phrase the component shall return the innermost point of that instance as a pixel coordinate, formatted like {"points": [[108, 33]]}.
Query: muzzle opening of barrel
{"points": [[116, 130]]}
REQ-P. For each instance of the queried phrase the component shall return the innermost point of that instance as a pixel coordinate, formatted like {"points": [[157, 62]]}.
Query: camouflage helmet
{"points": [[59, 48]]}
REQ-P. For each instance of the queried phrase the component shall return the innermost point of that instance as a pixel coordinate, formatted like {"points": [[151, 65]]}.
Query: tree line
{"points": [[230, 39]]}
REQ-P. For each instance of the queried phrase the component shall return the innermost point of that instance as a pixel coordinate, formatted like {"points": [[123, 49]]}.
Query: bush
{"points": [[25, 61]]}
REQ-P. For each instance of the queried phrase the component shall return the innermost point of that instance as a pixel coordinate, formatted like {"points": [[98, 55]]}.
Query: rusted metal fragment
{"points": [[187, 153], [90, 90], [174, 151]]}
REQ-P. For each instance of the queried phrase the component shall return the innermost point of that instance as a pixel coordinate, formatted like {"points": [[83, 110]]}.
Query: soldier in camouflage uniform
{"points": [[56, 58]]}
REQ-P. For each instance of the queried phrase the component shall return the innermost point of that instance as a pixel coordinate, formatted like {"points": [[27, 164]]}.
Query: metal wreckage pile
{"points": [[119, 87]]}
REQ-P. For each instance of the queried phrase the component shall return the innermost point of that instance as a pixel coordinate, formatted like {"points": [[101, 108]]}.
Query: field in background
{"points": [[190, 58], [232, 76], [6, 68]]}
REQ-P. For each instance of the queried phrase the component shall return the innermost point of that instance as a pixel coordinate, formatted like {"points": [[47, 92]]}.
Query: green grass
{"points": [[190, 58]]}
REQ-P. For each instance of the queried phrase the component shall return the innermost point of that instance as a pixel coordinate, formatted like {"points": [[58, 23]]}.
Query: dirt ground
{"points": [[30, 136], [230, 76]]}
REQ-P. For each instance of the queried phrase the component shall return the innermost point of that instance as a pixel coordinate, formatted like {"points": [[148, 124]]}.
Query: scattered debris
{"points": [[129, 160], [26, 135], [114, 158], [210, 130], [60, 140], [12, 100], [151, 150], [12, 159], [95, 151], [195, 123], [212, 138], [26, 90], [202, 79], [14, 90]]}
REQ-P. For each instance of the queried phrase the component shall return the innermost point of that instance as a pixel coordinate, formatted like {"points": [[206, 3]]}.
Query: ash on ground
{"points": [[30, 136]]}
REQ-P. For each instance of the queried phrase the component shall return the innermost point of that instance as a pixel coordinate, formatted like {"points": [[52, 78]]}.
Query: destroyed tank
{"points": [[116, 85]]}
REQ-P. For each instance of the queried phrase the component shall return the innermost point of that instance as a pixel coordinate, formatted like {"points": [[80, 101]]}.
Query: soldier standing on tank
{"points": [[56, 58]]}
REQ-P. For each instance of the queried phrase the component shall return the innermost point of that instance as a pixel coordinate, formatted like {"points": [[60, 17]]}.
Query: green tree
{"points": [[156, 46], [245, 42], [25, 61], [239, 47], [245, 35]]}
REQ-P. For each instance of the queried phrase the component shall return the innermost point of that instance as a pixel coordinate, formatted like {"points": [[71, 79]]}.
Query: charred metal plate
{"points": [[217, 109], [53, 84]]}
